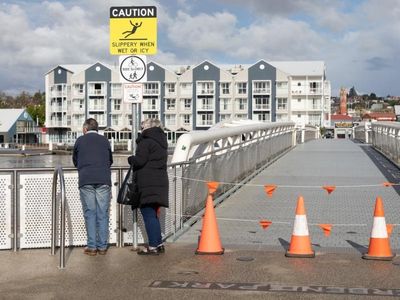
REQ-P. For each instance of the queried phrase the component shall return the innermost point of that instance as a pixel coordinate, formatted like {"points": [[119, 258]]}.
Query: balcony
{"points": [[58, 94], [261, 91], [149, 107], [205, 92], [101, 107], [315, 91], [149, 92], [262, 107], [96, 92]]}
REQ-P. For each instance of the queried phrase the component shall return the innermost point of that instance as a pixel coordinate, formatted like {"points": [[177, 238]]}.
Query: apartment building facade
{"points": [[186, 98]]}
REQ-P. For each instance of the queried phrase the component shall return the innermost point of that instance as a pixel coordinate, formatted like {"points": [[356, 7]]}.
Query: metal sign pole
{"points": [[134, 135]]}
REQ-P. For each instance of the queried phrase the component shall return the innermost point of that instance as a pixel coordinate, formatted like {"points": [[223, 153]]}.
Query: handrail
{"points": [[58, 173]]}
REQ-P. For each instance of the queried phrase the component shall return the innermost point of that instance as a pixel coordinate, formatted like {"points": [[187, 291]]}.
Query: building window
{"points": [[116, 104], [206, 103], [79, 88], [262, 87], [100, 118], [115, 120], [261, 102], [150, 88], [263, 116], [241, 104], [170, 88], [150, 116], [241, 87], [116, 89], [206, 119], [225, 104], [282, 103], [205, 88], [170, 104], [170, 120], [186, 104], [225, 88], [150, 103], [186, 119]]}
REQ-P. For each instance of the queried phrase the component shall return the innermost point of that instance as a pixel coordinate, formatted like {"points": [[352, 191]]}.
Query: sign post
{"points": [[133, 31]]}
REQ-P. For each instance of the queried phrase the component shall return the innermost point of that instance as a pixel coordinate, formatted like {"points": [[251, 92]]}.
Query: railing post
{"points": [[15, 211], [58, 174]]}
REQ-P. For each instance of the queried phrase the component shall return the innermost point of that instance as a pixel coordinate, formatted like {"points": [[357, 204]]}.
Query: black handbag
{"points": [[129, 192]]}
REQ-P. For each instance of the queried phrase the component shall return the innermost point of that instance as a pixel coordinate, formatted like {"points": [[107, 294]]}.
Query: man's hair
{"points": [[91, 124], [149, 123]]}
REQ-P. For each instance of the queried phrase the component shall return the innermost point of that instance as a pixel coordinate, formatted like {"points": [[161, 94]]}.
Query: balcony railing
{"points": [[150, 107], [205, 92], [262, 107], [97, 107], [315, 91], [262, 91], [151, 92], [96, 92], [206, 107]]}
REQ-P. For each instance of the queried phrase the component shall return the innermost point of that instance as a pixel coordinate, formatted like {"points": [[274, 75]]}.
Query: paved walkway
{"points": [[254, 265], [241, 273], [303, 171]]}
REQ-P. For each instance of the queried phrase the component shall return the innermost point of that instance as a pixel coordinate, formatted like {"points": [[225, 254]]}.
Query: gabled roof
{"points": [[8, 117], [341, 118], [77, 68]]}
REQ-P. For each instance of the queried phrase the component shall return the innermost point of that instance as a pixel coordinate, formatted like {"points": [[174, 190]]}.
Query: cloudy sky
{"points": [[358, 39]]}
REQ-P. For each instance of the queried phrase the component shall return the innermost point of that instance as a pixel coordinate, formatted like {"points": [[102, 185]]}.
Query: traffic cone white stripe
{"points": [[300, 226], [379, 229]]}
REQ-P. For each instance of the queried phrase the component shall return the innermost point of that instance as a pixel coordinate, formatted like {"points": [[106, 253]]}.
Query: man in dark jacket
{"points": [[150, 161], [93, 158]]}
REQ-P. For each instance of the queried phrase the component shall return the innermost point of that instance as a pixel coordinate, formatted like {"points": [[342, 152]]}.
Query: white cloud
{"points": [[359, 42]]}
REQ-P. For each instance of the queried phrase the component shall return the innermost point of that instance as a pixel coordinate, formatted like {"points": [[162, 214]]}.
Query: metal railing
{"points": [[33, 194], [363, 132], [58, 173], [386, 139]]}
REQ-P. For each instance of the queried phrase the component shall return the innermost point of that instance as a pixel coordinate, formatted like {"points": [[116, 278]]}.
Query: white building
{"points": [[187, 97]]}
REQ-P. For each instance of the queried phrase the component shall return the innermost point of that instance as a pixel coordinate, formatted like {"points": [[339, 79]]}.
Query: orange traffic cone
{"points": [[209, 242], [379, 245], [300, 244]]}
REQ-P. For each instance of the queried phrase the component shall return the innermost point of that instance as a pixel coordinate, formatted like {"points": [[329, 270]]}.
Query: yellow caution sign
{"points": [[133, 30]]}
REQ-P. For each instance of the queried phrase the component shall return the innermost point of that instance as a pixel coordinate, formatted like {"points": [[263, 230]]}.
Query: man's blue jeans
{"points": [[96, 207], [152, 224]]}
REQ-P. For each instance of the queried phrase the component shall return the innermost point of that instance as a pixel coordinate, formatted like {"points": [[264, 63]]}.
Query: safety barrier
{"points": [[363, 133], [386, 139], [236, 155]]}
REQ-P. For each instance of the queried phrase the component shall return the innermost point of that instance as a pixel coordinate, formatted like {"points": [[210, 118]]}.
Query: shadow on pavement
{"points": [[358, 247]]}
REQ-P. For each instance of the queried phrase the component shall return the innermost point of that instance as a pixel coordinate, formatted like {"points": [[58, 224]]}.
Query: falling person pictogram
{"points": [[133, 30]]}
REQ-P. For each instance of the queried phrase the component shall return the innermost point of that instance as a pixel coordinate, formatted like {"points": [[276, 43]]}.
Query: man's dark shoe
{"points": [[90, 252], [149, 251], [102, 251]]}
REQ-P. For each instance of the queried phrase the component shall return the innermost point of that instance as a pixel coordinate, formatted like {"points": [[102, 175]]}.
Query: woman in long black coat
{"points": [[150, 161]]}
